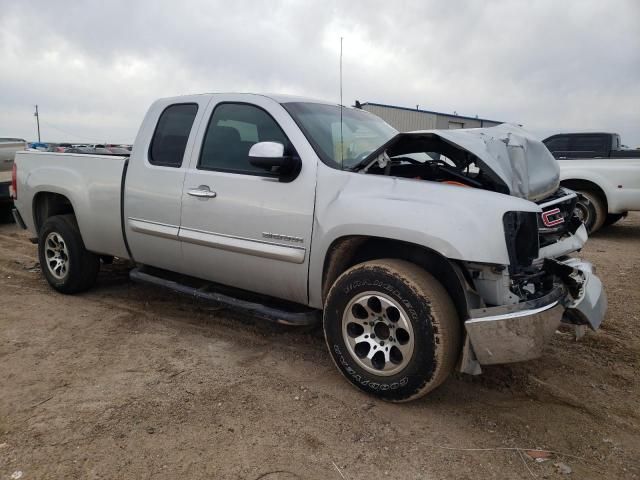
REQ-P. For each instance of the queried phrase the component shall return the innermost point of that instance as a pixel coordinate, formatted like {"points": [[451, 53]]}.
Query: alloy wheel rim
{"points": [[56, 255], [378, 333]]}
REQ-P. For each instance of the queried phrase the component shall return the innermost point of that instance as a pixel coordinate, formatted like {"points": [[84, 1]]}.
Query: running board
{"points": [[299, 316]]}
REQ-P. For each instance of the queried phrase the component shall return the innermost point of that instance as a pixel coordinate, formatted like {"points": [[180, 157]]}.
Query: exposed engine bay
{"points": [[427, 156], [504, 159]]}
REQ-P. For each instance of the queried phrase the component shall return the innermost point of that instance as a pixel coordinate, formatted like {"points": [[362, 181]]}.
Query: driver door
{"points": [[240, 225]]}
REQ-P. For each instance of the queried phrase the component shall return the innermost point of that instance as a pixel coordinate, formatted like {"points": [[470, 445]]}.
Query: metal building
{"points": [[408, 119]]}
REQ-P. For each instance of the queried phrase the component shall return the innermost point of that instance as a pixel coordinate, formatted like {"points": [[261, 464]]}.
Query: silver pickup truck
{"points": [[421, 252]]}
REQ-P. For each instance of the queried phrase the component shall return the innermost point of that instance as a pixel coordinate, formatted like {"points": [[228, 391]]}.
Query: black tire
{"points": [[591, 209], [82, 266], [613, 218], [429, 309]]}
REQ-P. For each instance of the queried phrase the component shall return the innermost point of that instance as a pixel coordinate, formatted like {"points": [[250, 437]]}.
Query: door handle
{"points": [[202, 191]]}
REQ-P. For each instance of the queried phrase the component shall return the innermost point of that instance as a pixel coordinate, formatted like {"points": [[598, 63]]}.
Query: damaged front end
{"points": [[517, 308], [513, 308]]}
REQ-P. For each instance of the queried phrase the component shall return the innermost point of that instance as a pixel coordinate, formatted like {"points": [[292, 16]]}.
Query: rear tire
{"points": [[65, 262], [590, 208], [392, 329]]}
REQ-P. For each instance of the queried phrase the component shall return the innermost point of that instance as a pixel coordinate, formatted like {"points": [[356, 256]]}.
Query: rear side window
{"points": [[589, 143], [233, 129], [171, 135]]}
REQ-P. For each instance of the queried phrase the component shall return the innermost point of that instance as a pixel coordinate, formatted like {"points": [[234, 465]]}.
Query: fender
{"points": [[458, 223]]}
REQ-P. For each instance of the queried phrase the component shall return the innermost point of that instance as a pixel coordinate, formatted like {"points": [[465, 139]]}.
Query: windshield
{"points": [[361, 132]]}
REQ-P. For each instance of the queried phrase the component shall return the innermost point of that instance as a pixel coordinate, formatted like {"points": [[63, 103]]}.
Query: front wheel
{"points": [[392, 329], [65, 262]]}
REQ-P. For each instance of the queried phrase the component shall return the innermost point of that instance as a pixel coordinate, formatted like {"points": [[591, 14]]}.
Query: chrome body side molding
{"points": [[275, 251]]}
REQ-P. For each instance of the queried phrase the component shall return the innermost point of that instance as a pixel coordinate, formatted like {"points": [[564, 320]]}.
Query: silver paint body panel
{"points": [[459, 223], [90, 182]]}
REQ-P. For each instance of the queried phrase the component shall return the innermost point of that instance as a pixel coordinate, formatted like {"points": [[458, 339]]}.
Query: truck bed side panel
{"points": [[91, 183], [619, 179]]}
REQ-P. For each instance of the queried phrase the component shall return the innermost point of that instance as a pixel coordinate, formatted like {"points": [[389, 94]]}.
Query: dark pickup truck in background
{"points": [[606, 175], [588, 145]]}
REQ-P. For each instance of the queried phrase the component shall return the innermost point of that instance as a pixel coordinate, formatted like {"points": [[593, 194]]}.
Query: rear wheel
{"points": [[590, 209], [64, 260], [391, 329]]}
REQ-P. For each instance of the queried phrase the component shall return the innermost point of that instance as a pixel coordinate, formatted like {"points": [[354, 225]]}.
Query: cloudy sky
{"points": [[94, 66]]}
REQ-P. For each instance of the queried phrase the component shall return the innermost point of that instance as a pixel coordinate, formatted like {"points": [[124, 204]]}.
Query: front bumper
{"points": [[519, 332]]}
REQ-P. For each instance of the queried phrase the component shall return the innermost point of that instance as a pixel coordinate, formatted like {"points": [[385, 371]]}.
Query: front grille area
{"points": [[557, 218]]}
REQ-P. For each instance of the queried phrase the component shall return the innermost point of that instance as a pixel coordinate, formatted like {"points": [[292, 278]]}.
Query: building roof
{"points": [[431, 112]]}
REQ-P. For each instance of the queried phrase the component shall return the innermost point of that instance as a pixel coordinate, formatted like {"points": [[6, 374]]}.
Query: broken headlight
{"points": [[521, 235]]}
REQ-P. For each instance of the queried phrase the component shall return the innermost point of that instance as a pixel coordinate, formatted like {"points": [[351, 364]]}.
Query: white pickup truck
{"points": [[606, 176], [421, 252]]}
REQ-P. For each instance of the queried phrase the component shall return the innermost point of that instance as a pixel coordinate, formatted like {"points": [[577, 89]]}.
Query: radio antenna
{"points": [[341, 107]]}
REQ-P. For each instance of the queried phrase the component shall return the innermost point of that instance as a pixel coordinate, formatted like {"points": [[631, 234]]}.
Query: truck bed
{"points": [[619, 179], [91, 183]]}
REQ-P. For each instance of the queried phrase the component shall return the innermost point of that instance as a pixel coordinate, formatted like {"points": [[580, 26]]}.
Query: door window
{"points": [[233, 129], [172, 132]]}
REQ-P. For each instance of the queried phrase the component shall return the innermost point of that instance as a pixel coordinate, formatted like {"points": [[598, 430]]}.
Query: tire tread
{"points": [[445, 322]]}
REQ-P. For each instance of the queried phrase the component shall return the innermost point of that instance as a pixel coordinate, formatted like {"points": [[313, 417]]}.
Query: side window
{"points": [[172, 132], [558, 144], [589, 143], [233, 129]]}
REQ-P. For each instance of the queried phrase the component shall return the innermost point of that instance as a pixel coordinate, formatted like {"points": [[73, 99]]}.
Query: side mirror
{"points": [[270, 156]]}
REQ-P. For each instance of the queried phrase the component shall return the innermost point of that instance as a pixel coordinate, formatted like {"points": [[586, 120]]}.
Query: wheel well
{"points": [[346, 252], [574, 184], [47, 204]]}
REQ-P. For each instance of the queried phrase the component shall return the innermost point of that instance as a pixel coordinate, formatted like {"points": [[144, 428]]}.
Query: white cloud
{"points": [[94, 67]]}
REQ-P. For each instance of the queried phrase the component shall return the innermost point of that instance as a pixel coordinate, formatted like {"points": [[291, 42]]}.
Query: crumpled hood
{"points": [[519, 159]]}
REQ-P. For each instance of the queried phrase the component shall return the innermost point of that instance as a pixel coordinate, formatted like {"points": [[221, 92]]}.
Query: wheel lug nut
{"points": [[382, 344]]}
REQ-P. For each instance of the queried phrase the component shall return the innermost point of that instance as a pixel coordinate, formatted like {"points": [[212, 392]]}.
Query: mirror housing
{"points": [[270, 156]]}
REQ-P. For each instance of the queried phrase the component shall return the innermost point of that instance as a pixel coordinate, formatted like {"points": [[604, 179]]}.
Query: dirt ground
{"points": [[128, 381]]}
